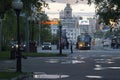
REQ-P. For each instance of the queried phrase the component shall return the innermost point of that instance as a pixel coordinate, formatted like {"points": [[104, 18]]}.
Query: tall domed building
{"points": [[69, 24]]}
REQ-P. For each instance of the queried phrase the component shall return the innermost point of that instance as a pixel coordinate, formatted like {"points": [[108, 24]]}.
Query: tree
{"points": [[4, 6], [46, 35], [7, 13], [98, 34], [107, 9]]}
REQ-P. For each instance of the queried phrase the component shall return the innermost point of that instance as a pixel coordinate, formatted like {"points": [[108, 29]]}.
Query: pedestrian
{"points": [[71, 47], [93, 42], [67, 45], [58, 44]]}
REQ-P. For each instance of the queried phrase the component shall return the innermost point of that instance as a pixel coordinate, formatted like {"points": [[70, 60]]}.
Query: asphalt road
{"points": [[81, 65], [96, 64], [74, 68]]}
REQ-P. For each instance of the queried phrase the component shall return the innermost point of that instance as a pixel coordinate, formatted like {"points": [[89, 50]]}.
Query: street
{"points": [[74, 68], [28, 27], [96, 64], [86, 65]]}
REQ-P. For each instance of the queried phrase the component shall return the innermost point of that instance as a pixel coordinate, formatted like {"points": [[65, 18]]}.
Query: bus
{"points": [[84, 41]]}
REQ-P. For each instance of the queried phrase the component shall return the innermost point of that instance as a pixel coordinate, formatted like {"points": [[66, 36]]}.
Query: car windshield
{"points": [[85, 38], [46, 43]]}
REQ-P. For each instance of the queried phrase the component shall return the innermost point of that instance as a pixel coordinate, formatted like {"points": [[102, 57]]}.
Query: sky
{"points": [[80, 8]]}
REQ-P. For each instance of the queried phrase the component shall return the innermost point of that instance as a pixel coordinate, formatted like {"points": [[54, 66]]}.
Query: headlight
{"points": [[24, 45], [12, 46], [42, 46], [88, 44], [16, 46], [80, 45], [49, 46]]}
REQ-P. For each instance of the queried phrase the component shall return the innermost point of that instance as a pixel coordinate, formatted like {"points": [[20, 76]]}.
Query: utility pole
{"points": [[60, 45], [1, 19], [27, 25], [0, 34]]}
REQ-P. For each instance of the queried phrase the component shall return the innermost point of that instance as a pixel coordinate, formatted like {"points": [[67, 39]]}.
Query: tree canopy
{"points": [[107, 9], [9, 18], [6, 5]]}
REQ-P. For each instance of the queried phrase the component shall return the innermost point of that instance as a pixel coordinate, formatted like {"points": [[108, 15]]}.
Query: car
{"points": [[46, 46], [106, 43], [14, 45]]}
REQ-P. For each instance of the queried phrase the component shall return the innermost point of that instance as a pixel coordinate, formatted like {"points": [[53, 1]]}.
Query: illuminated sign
{"points": [[49, 22], [83, 22]]}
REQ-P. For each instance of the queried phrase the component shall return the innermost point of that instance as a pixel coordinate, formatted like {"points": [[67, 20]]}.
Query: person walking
{"points": [[71, 47], [67, 45]]}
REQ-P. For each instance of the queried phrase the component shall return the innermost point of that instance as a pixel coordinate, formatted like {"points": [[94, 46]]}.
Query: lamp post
{"points": [[32, 35], [17, 5], [27, 25], [60, 45], [38, 20], [39, 33], [0, 34], [39, 25]]}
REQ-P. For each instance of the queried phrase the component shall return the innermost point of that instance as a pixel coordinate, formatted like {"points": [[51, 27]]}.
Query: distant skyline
{"points": [[78, 9]]}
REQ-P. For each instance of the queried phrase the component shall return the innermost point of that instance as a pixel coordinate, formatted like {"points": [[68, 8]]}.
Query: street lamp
{"points": [[60, 45], [32, 22], [38, 20], [17, 5], [0, 34]]}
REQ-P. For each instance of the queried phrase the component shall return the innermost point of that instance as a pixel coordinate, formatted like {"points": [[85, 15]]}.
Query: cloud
{"points": [[56, 7]]}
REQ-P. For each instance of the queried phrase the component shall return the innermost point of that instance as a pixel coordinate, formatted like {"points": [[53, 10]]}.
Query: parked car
{"points": [[46, 46]]}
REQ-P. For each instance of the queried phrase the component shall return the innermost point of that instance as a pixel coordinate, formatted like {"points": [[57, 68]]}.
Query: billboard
{"points": [[83, 22]]}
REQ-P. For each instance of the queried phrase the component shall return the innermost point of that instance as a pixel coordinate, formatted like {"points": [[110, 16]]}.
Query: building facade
{"points": [[69, 24], [72, 27]]}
